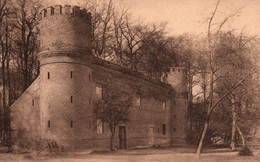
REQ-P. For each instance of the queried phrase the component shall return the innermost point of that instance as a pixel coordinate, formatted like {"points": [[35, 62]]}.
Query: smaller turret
{"points": [[176, 78]]}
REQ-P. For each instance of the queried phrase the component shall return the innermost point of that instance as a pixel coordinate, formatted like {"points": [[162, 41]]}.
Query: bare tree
{"points": [[213, 39], [26, 21], [114, 108]]}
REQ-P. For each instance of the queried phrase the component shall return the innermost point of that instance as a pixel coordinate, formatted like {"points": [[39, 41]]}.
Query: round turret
{"points": [[65, 29], [65, 75]]}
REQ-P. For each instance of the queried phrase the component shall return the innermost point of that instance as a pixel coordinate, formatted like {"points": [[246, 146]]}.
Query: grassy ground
{"points": [[177, 154]]}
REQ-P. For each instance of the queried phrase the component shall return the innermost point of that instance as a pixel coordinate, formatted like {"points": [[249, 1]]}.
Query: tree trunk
{"points": [[241, 135], [112, 141], [206, 124], [112, 129], [2, 113], [234, 119]]}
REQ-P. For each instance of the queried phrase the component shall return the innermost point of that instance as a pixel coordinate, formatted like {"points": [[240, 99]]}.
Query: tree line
{"points": [[221, 67]]}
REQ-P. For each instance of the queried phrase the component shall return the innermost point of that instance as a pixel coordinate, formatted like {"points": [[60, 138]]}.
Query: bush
{"points": [[245, 152]]}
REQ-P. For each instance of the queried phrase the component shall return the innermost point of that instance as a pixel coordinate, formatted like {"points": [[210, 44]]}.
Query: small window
{"points": [[99, 91], [99, 126], [174, 129], [174, 116], [173, 69], [71, 99], [52, 11], [49, 124], [138, 99], [71, 123], [44, 12], [32, 102], [164, 105], [70, 74], [89, 124], [179, 70], [164, 129], [158, 130], [48, 75]]}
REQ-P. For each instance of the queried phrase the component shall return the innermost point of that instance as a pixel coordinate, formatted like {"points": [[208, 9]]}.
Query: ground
{"points": [[186, 154]]}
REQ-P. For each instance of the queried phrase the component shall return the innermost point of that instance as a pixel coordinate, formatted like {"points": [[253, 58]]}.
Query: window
{"points": [[164, 129], [99, 126], [71, 123], [49, 124], [174, 116], [48, 75], [32, 102], [138, 100], [70, 74], [52, 11], [89, 124], [174, 129], [164, 105], [44, 12], [99, 91], [71, 99]]}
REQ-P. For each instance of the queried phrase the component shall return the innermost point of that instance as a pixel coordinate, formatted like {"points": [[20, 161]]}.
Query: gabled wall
{"points": [[25, 118]]}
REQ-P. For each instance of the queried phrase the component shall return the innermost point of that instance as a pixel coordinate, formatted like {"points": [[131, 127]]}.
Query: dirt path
{"points": [[143, 155]]}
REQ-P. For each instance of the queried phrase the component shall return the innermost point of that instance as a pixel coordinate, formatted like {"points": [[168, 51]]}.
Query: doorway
{"points": [[151, 136], [122, 137]]}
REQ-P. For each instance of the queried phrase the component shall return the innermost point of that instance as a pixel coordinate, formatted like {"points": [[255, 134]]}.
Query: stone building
{"points": [[58, 106]]}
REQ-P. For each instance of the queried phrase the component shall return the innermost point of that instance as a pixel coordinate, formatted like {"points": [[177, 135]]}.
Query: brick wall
{"points": [[25, 117], [65, 94]]}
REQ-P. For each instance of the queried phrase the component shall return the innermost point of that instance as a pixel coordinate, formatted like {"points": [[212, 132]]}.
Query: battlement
{"points": [[65, 10]]}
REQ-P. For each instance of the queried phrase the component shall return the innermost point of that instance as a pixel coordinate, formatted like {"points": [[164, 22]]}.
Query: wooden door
{"points": [[122, 137]]}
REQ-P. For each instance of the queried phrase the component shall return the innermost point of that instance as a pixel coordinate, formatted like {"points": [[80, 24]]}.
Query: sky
{"points": [[187, 16]]}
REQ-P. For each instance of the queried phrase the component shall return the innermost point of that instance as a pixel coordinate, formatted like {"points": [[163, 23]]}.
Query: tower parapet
{"points": [[65, 30], [176, 78], [65, 10]]}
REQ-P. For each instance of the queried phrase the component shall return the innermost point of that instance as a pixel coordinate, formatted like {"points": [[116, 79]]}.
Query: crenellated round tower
{"points": [[177, 79], [65, 73]]}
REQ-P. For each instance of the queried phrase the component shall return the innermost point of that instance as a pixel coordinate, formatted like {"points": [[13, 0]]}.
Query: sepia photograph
{"points": [[130, 80]]}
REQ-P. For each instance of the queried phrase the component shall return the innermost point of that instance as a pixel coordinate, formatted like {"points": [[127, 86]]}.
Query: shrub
{"points": [[245, 152]]}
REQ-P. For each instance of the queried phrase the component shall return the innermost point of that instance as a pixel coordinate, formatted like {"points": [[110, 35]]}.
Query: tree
{"points": [[18, 36], [26, 43], [114, 108], [233, 53], [213, 68]]}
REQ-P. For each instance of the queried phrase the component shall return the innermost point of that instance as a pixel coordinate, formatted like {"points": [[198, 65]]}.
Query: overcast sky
{"points": [[186, 16]]}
